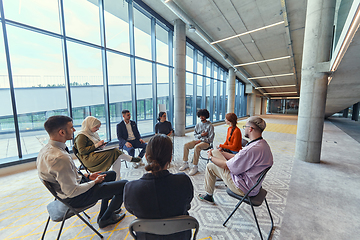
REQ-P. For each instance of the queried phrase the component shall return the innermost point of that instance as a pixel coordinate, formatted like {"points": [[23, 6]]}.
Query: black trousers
{"points": [[108, 189]]}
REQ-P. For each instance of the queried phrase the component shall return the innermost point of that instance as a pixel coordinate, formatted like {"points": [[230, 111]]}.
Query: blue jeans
{"points": [[135, 144]]}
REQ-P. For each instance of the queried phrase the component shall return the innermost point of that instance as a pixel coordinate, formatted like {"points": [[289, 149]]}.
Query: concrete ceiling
{"points": [[220, 19]]}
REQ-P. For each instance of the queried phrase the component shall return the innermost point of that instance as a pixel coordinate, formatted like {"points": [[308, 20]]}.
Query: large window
{"points": [[63, 61]]}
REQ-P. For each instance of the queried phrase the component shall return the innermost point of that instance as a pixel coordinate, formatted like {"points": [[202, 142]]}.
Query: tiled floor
{"points": [[24, 199]]}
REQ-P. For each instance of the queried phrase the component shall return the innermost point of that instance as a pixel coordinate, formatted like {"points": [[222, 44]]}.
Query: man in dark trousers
{"points": [[129, 137], [55, 165]]}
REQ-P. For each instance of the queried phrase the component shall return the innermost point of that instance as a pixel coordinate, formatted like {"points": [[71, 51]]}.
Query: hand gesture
{"points": [[128, 145]]}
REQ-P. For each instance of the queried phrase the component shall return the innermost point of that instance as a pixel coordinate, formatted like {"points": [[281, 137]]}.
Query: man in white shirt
{"points": [[129, 137], [55, 165]]}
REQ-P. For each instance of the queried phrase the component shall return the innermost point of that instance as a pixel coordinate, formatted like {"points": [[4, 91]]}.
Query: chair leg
{"points": [[272, 221], [236, 207], [46, 225], [62, 224], [257, 223], [89, 225], [86, 215]]}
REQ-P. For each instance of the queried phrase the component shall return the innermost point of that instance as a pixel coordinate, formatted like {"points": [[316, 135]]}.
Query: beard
{"points": [[246, 135]]}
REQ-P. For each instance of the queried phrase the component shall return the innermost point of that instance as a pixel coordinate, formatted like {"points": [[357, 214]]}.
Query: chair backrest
{"points": [[59, 207], [262, 175], [164, 226], [76, 152]]}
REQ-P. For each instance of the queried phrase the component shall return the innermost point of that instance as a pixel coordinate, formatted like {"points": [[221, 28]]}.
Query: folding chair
{"points": [[164, 226], [208, 148], [82, 166], [59, 211], [253, 201]]}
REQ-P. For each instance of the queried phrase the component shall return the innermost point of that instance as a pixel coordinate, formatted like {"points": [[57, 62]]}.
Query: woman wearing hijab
{"points": [[233, 138], [88, 141]]}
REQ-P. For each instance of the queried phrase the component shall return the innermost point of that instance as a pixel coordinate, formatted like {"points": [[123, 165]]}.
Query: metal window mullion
{"points": [[104, 69], [132, 60], [171, 86], [203, 102], [154, 68], [194, 84], [11, 84], [65, 58], [212, 91]]}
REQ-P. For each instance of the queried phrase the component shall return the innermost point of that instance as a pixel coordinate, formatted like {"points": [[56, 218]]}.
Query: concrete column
{"points": [[263, 105], [345, 112], [252, 104], [179, 84], [231, 91], [317, 46], [355, 112]]}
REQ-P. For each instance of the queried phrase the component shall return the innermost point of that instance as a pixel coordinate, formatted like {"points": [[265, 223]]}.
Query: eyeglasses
{"points": [[247, 126]]}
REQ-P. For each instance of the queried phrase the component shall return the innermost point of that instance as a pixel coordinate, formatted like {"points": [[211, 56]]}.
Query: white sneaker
{"points": [[193, 171], [135, 165], [184, 166]]}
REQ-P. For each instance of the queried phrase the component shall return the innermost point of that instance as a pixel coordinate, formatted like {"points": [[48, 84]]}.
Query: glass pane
{"points": [[189, 99], [162, 88], [199, 95], [82, 20], [189, 59], [207, 103], [86, 80], [162, 48], [37, 68], [37, 13], [208, 69], [142, 32], [119, 82], [200, 64], [8, 147], [144, 96], [117, 25]]}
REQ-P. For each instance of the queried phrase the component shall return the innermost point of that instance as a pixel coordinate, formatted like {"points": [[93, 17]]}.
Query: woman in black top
{"points": [[159, 193], [163, 126]]}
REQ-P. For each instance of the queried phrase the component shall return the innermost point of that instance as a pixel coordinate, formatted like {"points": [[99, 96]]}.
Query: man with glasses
{"points": [[239, 171]]}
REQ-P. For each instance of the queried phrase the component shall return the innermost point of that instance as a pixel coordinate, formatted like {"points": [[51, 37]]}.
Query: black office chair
{"points": [[164, 226], [59, 211], [82, 166], [253, 201]]}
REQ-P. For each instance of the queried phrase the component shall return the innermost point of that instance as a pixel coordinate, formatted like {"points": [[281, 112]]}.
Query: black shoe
{"points": [[117, 211], [135, 159], [115, 218]]}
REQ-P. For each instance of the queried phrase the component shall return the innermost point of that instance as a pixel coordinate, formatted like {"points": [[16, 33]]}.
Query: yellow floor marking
{"points": [[274, 127]]}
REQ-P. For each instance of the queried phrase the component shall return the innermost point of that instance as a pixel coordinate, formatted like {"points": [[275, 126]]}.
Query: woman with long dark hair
{"points": [[159, 193], [233, 137], [163, 126]]}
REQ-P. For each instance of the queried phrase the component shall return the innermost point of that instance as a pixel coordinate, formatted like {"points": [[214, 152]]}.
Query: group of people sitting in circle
{"points": [[167, 194]]}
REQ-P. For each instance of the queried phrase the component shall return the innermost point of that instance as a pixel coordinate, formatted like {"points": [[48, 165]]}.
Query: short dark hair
{"points": [[55, 123], [158, 153], [125, 111], [203, 112]]}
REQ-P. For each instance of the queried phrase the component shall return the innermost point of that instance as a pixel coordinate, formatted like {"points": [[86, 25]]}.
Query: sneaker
{"points": [[135, 159], [206, 198], [184, 166], [115, 218], [193, 171], [135, 165]]}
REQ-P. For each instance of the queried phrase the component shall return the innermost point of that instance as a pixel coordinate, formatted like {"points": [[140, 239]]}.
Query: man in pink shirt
{"points": [[239, 171]]}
